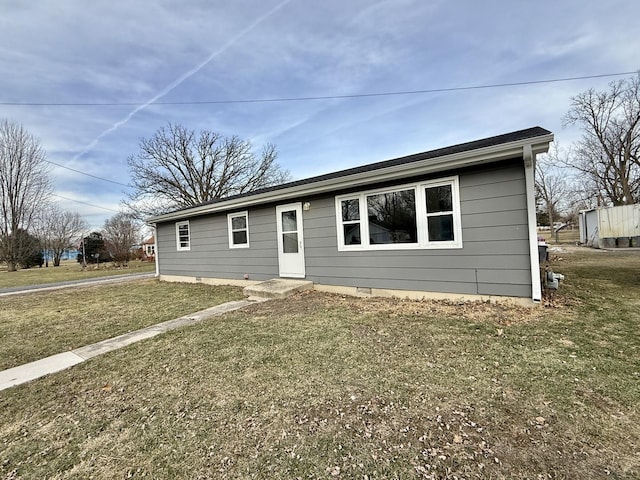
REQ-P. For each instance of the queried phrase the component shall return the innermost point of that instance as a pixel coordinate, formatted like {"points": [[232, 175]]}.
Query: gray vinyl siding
{"points": [[210, 255], [494, 259]]}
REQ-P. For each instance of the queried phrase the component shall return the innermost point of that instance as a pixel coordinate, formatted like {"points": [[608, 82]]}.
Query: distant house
{"points": [[610, 227], [149, 248], [456, 222]]}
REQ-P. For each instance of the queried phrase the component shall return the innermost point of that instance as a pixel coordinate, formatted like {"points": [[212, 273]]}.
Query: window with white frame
{"points": [[391, 217], [183, 236], [439, 205], [238, 230], [350, 214], [422, 215]]}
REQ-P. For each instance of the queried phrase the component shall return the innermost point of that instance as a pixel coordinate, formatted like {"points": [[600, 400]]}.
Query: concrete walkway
{"points": [[55, 363]]}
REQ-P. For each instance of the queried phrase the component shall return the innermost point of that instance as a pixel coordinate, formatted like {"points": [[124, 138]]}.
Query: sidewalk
{"points": [[62, 361]]}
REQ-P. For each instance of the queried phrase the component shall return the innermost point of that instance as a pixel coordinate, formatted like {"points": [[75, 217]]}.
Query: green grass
{"points": [[70, 270], [325, 386], [36, 325]]}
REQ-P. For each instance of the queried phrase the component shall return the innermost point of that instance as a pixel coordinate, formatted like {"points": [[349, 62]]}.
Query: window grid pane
{"points": [[239, 237], [239, 223], [439, 199], [352, 234], [350, 210], [289, 221], [392, 217], [290, 242], [440, 228]]}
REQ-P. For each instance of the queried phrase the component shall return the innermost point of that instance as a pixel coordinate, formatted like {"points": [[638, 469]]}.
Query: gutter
{"points": [[155, 236], [529, 156]]}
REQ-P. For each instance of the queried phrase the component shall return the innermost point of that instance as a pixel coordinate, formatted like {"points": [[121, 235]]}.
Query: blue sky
{"points": [[140, 53]]}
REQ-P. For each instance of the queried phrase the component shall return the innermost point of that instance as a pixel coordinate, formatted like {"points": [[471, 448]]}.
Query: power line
{"points": [[292, 99], [85, 203], [87, 174], [321, 97]]}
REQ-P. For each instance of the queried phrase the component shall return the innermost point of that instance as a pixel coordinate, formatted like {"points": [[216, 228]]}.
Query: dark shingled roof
{"points": [[439, 152]]}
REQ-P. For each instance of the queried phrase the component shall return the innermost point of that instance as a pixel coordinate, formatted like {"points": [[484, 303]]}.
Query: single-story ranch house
{"points": [[455, 222]]}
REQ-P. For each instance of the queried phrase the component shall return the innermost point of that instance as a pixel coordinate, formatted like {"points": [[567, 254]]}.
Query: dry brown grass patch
{"points": [[324, 386]]}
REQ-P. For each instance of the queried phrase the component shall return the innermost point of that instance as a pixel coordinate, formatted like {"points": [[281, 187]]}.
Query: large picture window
{"points": [[238, 224], [183, 236], [391, 217], [423, 215]]}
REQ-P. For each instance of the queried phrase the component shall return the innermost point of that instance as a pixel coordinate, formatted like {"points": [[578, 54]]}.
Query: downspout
{"points": [[155, 237], [529, 176]]}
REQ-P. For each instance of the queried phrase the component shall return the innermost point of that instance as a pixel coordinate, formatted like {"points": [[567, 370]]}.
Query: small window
{"points": [[183, 237], [238, 230], [351, 221], [440, 213]]}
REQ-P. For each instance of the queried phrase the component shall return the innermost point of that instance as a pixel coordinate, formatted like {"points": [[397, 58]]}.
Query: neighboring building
{"points": [[453, 222], [67, 254], [610, 227], [149, 248]]}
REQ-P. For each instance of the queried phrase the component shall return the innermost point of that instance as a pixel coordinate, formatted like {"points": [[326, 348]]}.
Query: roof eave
{"points": [[539, 144]]}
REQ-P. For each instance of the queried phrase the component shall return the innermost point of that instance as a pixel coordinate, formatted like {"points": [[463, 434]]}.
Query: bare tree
{"points": [[176, 168], [585, 193], [24, 187], [552, 188], [63, 229], [607, 154], [120, 233], [40, 228]]}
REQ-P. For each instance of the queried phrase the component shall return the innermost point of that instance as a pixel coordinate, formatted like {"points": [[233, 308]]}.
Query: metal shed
{"points": [[609, 227]]}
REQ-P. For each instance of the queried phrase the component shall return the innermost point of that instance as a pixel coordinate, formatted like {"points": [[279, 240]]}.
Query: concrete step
{"points": [[277, 288]]}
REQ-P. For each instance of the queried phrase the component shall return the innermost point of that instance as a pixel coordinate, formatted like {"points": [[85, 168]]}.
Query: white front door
{"points": [[290, 240]]}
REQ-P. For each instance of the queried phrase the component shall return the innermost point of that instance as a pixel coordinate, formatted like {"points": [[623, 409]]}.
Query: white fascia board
{"points": [[469, 158]]}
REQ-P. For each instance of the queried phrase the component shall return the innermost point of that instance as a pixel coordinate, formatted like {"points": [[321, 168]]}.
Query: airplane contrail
{"points": [[180, 79]]}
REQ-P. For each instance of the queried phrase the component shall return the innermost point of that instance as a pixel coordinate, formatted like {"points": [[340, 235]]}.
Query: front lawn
{"points": [[36, 325], [325, 386], [69, 270]]}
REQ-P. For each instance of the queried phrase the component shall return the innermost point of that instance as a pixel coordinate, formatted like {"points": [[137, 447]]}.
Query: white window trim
{"points": [[179, 247], [230, 217], [341, 223], [421, 217], [455, 200]]}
